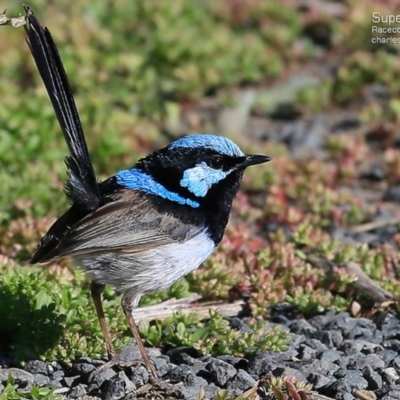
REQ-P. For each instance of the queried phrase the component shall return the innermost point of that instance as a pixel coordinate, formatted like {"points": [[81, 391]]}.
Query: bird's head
{"points": [[200, 167]]}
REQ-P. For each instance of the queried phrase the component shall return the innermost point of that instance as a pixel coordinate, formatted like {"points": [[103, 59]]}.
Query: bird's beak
{"points": [[253, 159]]}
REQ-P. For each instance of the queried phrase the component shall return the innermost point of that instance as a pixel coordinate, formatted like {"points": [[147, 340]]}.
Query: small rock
{"points": [[162, 365], [85, 366], [196, 364], [240, 382], [287, 371], [182, 373], [388, 391], [52, 367], [320, 321], [316, 344], [210, 391], [23, 379], [330, 356], [344, 396], [303, 327], [236, 362], [41, 380], [344, 361], [36, 367], [130, 354], [306, 353], [296, 340], [396, 363], [190, 392], [392, 344], [388, 356], [360, 345], [176, 354], [318, 381], [220, 371], [373, 378], [70, 381], [58, 375], [96, 379], [328, 338], [323, 367], [390, 375], [77, 392], [117, 387], [367, 334], [342, 322], [263, 362], [371, 360], [350, 378]]}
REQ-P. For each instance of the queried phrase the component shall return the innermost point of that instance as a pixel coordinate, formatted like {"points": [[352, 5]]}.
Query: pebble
{"points": [[240, 382], [36, 367], [220, 372], [96, 379], [373, 378], [41, 380], [23, 379], [182, 373], [335, 352], [77, 392]]}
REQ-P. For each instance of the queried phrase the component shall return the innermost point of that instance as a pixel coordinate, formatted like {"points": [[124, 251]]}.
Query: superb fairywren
{"points": [[147, 226]]}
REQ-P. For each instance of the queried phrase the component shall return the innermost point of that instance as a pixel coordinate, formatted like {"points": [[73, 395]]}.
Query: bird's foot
{"points": [[157, 385], [116, 361]]}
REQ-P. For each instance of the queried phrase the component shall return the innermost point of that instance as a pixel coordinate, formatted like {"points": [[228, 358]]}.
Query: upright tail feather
{"points": [[81, 187]]}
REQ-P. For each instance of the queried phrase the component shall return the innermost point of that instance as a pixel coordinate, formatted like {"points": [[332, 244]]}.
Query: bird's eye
{"points": [[216, 162]]}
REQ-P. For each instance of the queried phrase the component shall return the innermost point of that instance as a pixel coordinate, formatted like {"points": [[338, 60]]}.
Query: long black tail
{"points": [[81, 187]]}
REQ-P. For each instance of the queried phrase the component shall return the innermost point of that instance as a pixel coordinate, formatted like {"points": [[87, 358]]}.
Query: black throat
{"points": [[214, 208], [167, 166]]}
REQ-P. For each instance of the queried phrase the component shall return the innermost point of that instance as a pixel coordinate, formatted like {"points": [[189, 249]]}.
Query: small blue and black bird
{"points": [[146, 226]]}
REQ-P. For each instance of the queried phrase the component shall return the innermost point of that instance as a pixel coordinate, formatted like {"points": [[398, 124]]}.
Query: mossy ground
{"points": [[144, 73]]}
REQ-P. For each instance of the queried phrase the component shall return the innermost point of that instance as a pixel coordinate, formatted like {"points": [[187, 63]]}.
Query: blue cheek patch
{"points": [[200, 178], [135, 179]]}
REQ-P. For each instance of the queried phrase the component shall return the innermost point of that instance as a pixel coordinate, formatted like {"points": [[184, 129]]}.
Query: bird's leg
{"points": [[129, 302], [96, 289]]}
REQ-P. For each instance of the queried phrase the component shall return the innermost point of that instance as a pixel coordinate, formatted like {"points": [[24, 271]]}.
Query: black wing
{"points": [[81, 187]]}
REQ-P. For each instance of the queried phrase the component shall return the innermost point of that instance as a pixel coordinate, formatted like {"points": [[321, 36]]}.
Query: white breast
{"points": [[151, 270]]}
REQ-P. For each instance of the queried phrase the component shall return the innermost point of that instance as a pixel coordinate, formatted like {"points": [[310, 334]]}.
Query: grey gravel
{"points": [[335, 352], [319, 381], [70, 381], [192, 391], [23, 379], [373, 378], [240, 382], [77, 392], [117, 387], [220, 372], [36, 367], [182, 373], [287, 371], [96, 379], [41, 380]]}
